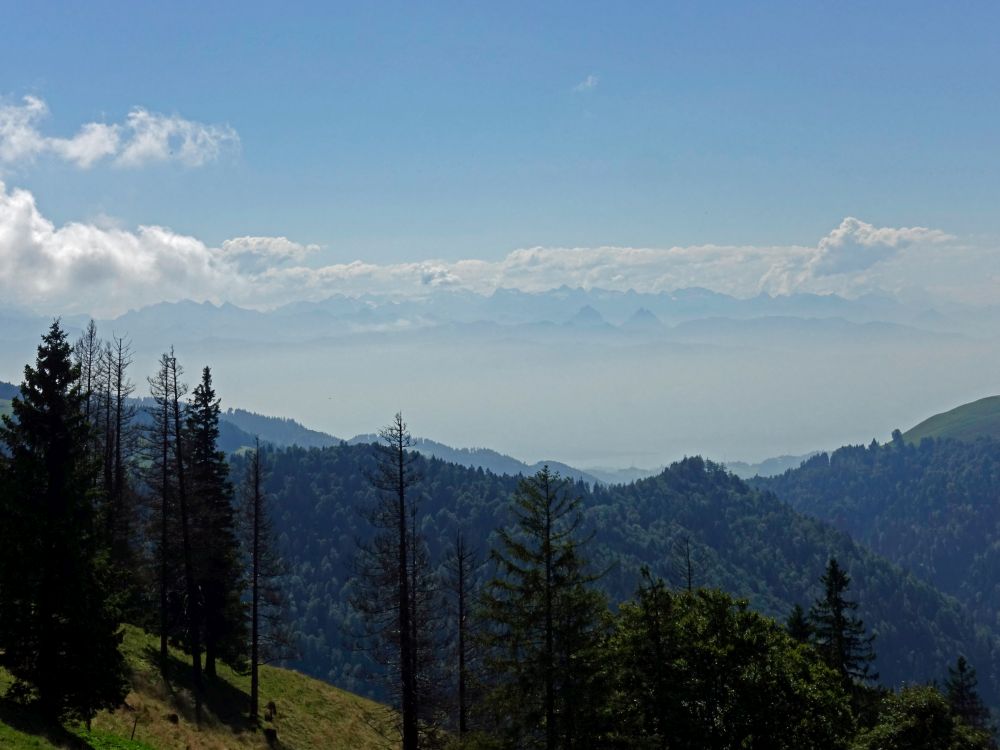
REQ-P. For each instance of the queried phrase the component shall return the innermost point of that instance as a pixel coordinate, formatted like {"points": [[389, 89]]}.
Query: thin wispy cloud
{"points": [[104, 269], [587, 84], [144, 137]]}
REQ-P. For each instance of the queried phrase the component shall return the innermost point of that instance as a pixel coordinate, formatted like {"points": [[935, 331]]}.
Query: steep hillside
{"points": [[966, 422], [744, 541], [931, 508], [159, 713], [278, 431]]}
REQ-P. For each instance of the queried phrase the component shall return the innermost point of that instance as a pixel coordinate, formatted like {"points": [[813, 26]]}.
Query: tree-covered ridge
{"points": [[599, 621], [741, 540], [931, 508]]}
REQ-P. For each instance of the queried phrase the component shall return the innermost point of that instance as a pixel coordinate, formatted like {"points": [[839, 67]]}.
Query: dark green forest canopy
{"points": [[742, 540], [932, 508]]}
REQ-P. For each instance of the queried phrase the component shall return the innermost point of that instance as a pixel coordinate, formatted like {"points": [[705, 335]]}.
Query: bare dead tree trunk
{"points": [[159, 441], [408, 678], [462, 567]]}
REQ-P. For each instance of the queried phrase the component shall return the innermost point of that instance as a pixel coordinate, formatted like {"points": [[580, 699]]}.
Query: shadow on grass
{"points": [[27, 719], [224, 701]]}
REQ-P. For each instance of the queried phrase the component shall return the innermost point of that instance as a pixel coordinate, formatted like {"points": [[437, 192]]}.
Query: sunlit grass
{"points": [[160, 712]]}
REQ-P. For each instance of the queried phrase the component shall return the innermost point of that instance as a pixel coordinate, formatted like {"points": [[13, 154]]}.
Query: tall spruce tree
{"points": [[961, 690], [545, 622], [838, 633], [215, 546], [59, 630]]}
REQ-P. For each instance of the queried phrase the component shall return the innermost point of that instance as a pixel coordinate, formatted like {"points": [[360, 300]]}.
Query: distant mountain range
{"points": [[576, 307]]}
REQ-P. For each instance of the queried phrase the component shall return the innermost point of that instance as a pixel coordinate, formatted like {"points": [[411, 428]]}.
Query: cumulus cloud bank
{"points": [[145, 137], [857, 246], [83, 267]]}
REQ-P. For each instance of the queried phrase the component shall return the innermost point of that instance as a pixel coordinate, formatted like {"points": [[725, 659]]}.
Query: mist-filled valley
{"points": [[589, 378]]}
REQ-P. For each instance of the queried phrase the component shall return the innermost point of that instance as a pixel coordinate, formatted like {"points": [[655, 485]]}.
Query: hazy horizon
{"points": [[398, 198]]}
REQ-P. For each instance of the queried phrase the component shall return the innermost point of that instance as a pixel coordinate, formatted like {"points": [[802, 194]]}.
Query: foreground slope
{"points": [[966, 422], [310, 714], [743, 541]]}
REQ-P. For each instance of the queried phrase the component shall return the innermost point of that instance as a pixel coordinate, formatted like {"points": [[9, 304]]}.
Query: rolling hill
{"points": [[158, 714], [966, 422]]}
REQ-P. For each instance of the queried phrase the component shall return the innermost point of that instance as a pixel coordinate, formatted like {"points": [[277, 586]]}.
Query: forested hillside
{"points": [[932, 508], [606, 616], [741, 540]]}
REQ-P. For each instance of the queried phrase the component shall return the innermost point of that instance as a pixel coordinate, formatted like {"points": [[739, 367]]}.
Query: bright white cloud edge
{"points": [[143, 138], [102, 270]]}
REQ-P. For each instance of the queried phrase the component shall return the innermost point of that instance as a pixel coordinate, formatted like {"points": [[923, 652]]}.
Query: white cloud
{"points": [[19, 138], [857, 246], [260, 253], [143, 138], [105, 269], [154, 137], [94, 142], [587, 84]]}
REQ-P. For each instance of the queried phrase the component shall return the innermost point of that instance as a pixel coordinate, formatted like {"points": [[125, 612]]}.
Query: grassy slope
{"points": [[966, 422], [310, 714]]}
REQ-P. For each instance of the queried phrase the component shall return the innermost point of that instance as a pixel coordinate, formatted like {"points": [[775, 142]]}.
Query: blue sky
{"points": [[396, 132]]}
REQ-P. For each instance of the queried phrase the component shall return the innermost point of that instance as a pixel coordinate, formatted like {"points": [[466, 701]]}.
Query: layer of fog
{"points": [[578, 390]]}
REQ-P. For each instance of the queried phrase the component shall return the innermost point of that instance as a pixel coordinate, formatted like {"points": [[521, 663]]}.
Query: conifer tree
{"points": [[216, 549], [59, 630], [961, 690], [545, 622], [838, 633], [798, 626]]}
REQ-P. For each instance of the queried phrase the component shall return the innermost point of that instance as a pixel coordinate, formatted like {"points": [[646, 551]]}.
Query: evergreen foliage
{"points": [[962, 693], [839, 635], [216, 549], [930, 508], [59, 628], [798, 626], [747, 543], [545, 623]]}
